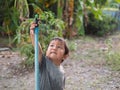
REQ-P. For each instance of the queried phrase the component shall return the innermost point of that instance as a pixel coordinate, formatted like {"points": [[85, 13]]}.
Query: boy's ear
{"points": [[65, 56]]}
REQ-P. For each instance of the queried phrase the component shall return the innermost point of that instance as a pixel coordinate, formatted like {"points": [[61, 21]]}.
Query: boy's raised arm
{"points": [[32, 27]]}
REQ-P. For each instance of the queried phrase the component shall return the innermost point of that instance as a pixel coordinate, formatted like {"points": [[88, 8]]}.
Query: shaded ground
{"points": [[85, 69]]}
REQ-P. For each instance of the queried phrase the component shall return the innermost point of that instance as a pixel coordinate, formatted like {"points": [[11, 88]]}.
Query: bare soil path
{"points": [[85, 69]]}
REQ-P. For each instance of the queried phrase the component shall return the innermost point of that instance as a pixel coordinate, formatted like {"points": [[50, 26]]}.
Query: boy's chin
{"points": [[52, 57]]}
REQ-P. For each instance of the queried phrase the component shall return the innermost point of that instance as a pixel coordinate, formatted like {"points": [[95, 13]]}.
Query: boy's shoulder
{"points": [[61, 69]]}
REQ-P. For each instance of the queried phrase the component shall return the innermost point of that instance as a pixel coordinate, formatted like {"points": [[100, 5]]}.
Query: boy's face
{"points": [[55, 51]]}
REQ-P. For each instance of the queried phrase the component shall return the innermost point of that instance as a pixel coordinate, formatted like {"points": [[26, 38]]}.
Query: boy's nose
{"points": [[54, 47]]}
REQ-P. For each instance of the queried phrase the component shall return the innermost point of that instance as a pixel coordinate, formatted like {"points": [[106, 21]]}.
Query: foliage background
{"points": [[64, 18]]}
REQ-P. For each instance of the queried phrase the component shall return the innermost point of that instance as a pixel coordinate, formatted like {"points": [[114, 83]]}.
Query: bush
{"points": [[113, 60], [100, 27], [49, 27]]}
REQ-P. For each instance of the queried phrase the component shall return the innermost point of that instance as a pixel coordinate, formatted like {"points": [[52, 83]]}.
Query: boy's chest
{"points": [[55, 74]]}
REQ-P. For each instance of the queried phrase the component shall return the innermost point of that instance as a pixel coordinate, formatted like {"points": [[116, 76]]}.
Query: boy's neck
{"points": [[56, 63]]}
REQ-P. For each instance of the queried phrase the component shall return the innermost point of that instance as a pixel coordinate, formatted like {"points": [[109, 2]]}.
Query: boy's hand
{"points": [[32, 27]]}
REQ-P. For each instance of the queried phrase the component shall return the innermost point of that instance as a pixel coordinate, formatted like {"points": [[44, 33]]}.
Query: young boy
{"points": [[51, 72]]}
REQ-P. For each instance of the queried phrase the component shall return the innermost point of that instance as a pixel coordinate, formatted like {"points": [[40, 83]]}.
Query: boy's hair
{"points": [[65, 45]]}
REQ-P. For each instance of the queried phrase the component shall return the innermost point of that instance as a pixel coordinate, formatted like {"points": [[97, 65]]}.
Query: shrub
{"points": [[100, 27], [49, 27]]}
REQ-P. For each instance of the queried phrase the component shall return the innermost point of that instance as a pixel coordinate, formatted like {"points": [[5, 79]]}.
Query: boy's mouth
{"points": [[53, 53]]}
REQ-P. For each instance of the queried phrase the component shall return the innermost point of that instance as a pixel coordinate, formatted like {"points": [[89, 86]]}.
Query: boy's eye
{"points": [[51, 45], [55, 46], [59, 47]]}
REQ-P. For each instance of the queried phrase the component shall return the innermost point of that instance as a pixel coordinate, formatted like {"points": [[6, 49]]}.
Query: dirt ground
{"points": [[85, 69]]}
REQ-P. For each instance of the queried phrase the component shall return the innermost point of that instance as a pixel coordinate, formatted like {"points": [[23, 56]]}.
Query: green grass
{"points": [[87, 48], [113, 60], [5, 41]]}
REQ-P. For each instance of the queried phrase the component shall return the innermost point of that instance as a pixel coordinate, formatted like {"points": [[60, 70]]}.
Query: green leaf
{"points": [[118, 1]]}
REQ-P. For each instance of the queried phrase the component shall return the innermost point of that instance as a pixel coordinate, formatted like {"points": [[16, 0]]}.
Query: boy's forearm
{"points": [[39, 46], [40, 52], [32, 39]]}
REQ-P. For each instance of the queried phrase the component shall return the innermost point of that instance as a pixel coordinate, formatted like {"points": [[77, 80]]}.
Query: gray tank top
{"points": [[51, 78]]}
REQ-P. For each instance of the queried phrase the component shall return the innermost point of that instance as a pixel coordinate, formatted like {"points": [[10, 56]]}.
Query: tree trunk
{"points": [[68, 17]]}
